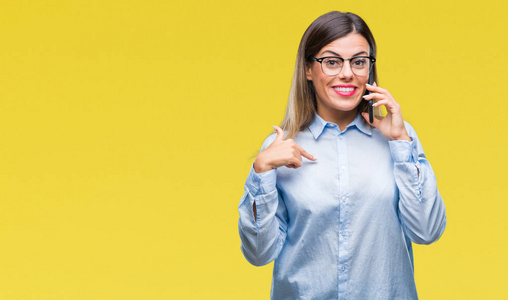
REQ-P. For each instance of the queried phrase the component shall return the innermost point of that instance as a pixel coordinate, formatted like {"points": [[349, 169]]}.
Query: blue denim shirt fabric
{"points": [[343, 227]]}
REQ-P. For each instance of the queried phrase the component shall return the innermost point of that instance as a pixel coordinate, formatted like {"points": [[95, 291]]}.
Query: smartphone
{"points": [[371, 109]]}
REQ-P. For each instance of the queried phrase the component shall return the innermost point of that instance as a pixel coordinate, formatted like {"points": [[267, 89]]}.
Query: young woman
{"points": [[337, 201]]}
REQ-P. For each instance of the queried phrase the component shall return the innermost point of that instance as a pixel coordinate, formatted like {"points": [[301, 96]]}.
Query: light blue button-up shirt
{"points": [[342, 227]]}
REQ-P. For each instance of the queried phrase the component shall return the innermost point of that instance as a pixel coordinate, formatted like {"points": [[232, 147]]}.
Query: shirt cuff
{"points": [[262, 183], [403, 151]]}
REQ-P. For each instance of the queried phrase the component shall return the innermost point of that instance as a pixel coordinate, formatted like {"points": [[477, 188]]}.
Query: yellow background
{"points": [[128, 129]]}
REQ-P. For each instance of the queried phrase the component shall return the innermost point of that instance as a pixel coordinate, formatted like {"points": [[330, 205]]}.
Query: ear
{"points": [[308, 72]]}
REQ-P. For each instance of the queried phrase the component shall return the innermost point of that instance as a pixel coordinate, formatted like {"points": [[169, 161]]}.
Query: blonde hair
{"points": [[327, 28]]}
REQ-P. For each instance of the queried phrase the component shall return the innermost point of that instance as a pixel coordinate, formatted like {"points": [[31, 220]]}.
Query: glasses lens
{"points": [[360, 66], [331, 66]]}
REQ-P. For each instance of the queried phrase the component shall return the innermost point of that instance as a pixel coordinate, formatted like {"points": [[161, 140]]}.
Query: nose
{"points": [[346, 72]]}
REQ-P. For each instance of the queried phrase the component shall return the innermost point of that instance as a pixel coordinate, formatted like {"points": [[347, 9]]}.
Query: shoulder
{"points": [[410, 130], [268, 141], [272, 137], [414, 137], [301, 136]]}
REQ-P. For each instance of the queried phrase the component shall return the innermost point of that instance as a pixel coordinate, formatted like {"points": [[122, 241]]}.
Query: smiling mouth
{"points": [[345, 91]]}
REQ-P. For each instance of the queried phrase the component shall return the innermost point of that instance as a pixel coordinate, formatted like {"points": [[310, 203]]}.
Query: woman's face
{"points": [[342, 92]]}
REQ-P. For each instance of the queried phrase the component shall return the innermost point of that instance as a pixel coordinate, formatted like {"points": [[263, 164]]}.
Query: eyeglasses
{"points": [[332, 65]]}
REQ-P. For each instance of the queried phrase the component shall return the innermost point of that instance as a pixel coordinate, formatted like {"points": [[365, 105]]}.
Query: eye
{"points": [[332, 63], [359, 62]]}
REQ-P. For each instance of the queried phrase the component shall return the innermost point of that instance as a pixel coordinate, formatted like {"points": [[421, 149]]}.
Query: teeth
{"points": [[344, 89]]}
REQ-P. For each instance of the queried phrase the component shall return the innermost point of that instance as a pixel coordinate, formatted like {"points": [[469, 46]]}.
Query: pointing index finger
{"points": [[306, 154]]}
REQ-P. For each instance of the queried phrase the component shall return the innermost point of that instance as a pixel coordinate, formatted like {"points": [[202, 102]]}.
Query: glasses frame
{"points": [[320, 61]]}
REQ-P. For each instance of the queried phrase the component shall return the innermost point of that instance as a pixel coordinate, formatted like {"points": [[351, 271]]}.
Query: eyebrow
{"points": [[337, 54]]}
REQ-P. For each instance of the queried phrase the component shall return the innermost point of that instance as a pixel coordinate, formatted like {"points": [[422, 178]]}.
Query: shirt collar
{"points": [[318, 125]]}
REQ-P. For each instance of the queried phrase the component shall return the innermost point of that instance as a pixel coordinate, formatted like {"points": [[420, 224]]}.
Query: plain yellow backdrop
{"points": [[128, 129]]}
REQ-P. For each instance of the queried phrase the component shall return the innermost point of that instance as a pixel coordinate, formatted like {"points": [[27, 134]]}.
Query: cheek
{"points": [[323, 81], [318, 83], [362, 87]]}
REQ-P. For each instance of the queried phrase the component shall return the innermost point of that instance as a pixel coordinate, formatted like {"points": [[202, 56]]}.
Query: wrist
{"points": [[259, 166], [402, 138]]}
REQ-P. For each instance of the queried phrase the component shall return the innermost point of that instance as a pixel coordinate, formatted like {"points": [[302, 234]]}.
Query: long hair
{"points": [[327, 28]]}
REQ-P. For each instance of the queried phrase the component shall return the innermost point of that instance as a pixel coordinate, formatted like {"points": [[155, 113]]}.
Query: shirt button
{"points": [[343, 268], [343, 233], [342, 167]]}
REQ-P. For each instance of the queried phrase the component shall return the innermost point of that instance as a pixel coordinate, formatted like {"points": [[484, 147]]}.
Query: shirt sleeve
{"points": [[262, 237], [421, 208]]}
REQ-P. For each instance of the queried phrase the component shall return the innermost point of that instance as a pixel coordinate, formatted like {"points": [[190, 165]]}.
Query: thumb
{"points": [[280, 133]]}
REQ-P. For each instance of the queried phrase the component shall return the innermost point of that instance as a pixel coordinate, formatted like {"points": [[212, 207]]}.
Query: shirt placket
{"points": [[344, 208]]}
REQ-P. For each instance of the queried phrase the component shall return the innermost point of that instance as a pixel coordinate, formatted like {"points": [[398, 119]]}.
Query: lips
{"points": [[345, 90]]}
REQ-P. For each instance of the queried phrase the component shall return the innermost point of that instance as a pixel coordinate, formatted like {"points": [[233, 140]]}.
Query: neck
{"points": [[341, 118]]}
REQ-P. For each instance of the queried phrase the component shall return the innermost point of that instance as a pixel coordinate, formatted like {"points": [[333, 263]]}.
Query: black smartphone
{"points": [[371, 109]]}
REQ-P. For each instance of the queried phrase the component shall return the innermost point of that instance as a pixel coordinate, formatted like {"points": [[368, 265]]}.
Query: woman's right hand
{"points": [[281, 153]]}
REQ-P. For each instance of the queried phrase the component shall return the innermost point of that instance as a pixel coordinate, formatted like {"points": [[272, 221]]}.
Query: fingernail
{"points": [[368, 84], [375, 84], [274, 128], [365, 96]]}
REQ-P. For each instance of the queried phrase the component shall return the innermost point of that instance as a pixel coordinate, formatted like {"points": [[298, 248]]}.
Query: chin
{"points": [[346, 106]]}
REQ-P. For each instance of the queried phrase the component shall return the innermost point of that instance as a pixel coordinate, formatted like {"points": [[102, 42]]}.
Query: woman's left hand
{"points": [[392, 125]]}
